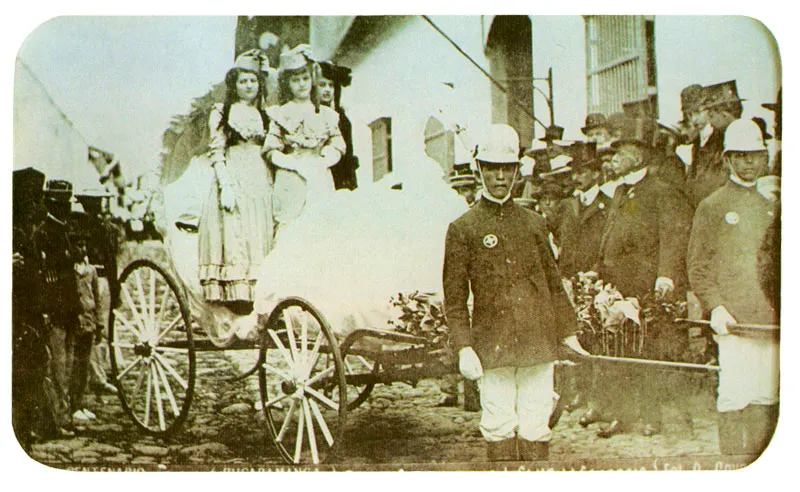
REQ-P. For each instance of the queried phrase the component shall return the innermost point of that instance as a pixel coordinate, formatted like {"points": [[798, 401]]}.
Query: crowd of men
{"points": [[623, 205], [64, 250]]}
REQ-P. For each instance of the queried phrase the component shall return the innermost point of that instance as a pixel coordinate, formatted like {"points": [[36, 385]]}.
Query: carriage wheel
{"points": [[302, 399], [358, 365], [151, 347]]}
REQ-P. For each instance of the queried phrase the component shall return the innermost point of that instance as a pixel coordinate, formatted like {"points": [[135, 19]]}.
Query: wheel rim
{"points": [[152, 350], [300, 388], [360, 369]]}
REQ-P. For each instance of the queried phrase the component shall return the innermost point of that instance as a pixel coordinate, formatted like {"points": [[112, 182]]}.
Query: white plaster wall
{"points": [[44, 138], [403, 77]]}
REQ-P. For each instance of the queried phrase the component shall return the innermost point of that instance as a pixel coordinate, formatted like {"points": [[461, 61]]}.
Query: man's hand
{"points": [[664, 287], [469, 365], [573, 343], [720, 319]]}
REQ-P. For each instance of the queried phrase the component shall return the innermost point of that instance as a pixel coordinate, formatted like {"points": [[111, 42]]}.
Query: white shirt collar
{"points": [[705, 134], [588, 196], [635, 176], [739, 181], [610, 187]]}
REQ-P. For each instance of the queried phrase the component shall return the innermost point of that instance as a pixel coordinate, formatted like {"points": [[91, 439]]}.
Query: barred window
{"points": [[620, 59]]}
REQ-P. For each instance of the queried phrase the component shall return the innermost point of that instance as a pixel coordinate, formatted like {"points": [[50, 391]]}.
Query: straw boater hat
{"points": [[462, 175]]}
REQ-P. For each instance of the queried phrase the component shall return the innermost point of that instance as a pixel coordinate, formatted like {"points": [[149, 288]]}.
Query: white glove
{"points": [[227, 197], [330, 156], [469, 365], [664, 286], [573, 343], [720, 319], [769, 187]]}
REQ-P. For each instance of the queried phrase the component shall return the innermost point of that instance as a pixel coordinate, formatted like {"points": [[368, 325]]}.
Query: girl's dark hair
{"points": [[231, 136], [285, 92]]}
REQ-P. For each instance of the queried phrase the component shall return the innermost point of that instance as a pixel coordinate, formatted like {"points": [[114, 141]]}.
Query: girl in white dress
{"points": [[303, 140], [236, 228]]}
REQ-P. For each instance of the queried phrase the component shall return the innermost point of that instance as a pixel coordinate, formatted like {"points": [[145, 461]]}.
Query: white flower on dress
{"points": [[246, 120]]}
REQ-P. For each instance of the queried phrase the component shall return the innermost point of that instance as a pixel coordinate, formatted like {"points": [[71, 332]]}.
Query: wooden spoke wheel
{"points": [[302, 381], [151, 347], [361, 371]]}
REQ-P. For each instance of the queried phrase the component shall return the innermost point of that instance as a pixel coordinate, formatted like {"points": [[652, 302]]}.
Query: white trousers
{"points": [[749, 372], [517, 401]]}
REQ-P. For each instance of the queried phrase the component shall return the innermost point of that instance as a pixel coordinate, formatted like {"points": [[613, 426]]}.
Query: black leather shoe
{"points": [[651, 430], [590, 417], [615, 427], [448, 401]]}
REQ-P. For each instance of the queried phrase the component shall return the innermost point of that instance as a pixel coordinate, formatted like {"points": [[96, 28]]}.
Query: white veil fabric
{"points": [[348, 254]]}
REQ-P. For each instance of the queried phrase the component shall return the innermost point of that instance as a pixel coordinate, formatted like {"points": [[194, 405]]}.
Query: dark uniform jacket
{"points": [[579, 233], [707, 172], [59, 297], [728, 232], [645, 237], [521, 313]]}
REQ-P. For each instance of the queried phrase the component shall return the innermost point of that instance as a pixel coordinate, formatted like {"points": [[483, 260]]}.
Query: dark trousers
{"points": [[747, 431], [79, 374], [29, 362]]}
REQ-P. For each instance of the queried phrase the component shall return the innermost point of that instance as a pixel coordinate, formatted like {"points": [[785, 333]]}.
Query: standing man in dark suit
{"points": [[643, 250], [721, 105], [499, 252], [580, 228]]}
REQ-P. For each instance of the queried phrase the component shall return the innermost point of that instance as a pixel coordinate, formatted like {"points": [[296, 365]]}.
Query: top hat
{"points": [[776, 106], [296, 58], [722, 93], [537, 148], [616, 121], [640, 131], [553, 132], [643, 108], [254, 60], [27, 185], [58, 190], [338, 74], [501, 146], [593, 120], [584, 156], [691, 97]]}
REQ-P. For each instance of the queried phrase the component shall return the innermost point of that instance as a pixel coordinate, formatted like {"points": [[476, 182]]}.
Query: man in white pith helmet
{"points": [[727, 233], [499, 252]]}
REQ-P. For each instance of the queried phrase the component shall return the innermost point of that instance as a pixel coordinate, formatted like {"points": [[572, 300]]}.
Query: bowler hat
{"points": [[691, 97], [58, 190], [501, 146], [593, 120], [640, 131]]}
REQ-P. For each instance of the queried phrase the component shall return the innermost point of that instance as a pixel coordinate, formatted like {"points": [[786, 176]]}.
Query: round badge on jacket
{"points": [[490, 241], [732, 218]]}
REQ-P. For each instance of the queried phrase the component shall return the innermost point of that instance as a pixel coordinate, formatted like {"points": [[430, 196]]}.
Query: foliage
{"points": [[420, 315]]}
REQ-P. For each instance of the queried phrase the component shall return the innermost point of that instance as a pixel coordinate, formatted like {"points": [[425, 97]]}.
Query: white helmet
{"points": [[501, 146], [743, 136]]}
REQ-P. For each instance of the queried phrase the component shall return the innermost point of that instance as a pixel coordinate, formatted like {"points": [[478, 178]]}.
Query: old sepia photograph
{"points": [[396, 242]]}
